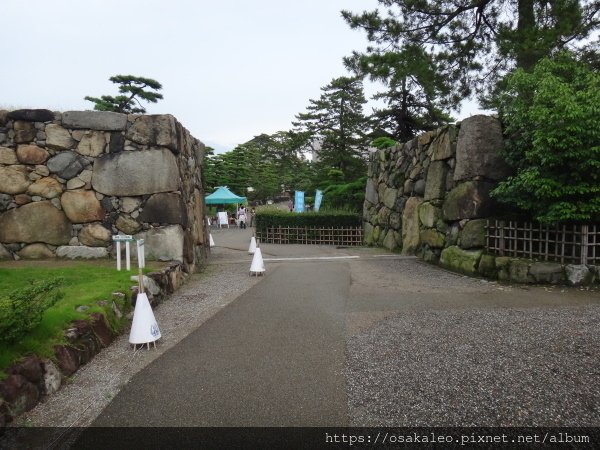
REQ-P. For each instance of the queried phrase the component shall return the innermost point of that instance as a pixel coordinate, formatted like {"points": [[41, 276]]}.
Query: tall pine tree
{"points": [[337, 122], [416, 98]]}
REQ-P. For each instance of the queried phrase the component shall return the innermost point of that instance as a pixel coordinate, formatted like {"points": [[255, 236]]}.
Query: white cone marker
{"points": [[144, 328], [210, 240], [258, 266], [252, 247]]}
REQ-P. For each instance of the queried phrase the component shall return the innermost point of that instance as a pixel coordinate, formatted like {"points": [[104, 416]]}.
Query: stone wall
{"points": [[432, 192], [69, 181], [431, 196]]}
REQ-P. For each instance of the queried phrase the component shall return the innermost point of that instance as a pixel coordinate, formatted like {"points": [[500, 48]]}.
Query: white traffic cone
{"points": [[252, 248], [144, 328], [258, 266], [210, 240]]}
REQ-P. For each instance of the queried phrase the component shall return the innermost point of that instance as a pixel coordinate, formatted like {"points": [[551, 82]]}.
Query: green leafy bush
{"points": [[22, 309], [552, 120], [277, 218]]}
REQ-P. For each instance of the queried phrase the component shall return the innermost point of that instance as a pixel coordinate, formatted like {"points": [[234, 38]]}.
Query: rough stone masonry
{"points": [[69, 181], [431, 197]]}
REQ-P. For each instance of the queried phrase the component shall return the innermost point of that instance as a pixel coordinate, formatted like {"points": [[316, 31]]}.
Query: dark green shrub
{"points": [[277, 218], [22, 309], [346, 196]]}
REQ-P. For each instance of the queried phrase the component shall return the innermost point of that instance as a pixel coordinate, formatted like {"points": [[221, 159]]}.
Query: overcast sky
{"points": [[230, 69]]}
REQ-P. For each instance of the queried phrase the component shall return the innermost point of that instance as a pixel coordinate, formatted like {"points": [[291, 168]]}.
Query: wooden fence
{"points": [[579, 244], [349, 236]]}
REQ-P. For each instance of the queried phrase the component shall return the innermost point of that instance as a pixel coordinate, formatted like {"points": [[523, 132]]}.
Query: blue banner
{"points": [[318, 199], [299, 201]]}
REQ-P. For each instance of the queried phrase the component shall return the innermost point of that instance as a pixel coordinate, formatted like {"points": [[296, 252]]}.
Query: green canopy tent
{"points": [[223, 196]]}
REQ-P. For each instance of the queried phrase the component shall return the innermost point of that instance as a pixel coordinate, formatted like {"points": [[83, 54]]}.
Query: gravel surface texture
{"points": [[470, 352]]}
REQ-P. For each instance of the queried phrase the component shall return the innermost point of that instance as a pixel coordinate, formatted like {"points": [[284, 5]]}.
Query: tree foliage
{"points": [[416, 98], [132, 89], [472, 42], [267, 164], [552, 119], [337, 122]]}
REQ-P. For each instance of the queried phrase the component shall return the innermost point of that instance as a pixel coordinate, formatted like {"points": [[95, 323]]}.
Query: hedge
{"points": [[277, 218]]}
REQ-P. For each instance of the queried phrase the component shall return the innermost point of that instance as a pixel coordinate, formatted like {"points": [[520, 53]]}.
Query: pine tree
{"points": [[132, 89], [336, 119], [416, 98], [473, 42]]}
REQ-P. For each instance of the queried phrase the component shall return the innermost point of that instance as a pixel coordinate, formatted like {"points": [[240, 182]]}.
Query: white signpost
{"points": [[140, 250]]}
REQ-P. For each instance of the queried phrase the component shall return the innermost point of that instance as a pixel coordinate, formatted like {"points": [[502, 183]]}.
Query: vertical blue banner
{"points": [[318, 199], [299, 201]]}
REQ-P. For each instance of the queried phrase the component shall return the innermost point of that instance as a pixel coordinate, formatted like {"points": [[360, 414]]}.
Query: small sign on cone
{"points": [[210, 240], [252, 247], [258, 266], [144, 328]]}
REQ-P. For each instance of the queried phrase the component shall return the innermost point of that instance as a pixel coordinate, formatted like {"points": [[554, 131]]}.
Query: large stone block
{"points": [[579, 274], [66, 165], [478, 149], [368, 233], [24, 132], [199, 224], [487, 266], [411, 237], [82, 206], [518, 271], [392, 240], [436, 180], [473, 234], [165, 208], [465, 261], [469, 200], [5, 254], [95, 235], [92, 144], [164, 243], [58, 138], [32, 154], [95, 120], [444, 146], [32, 115], [14, 179], [127, 224], [35, 222], [429, 214], [160, 130], [547, 272], [8, 156], [395, 220], [433, 238], [371, 192], [136, 173], [46, 187], [81, 252], [36, 251]]}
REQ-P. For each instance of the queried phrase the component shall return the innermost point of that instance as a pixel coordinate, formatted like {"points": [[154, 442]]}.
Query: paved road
{"points": [[324, 341]]}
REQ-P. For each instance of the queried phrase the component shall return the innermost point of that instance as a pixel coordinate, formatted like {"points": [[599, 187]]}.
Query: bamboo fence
{"points": [[578, 244], [347, 236]]}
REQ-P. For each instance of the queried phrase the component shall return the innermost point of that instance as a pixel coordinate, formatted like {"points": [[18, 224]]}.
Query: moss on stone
{"points": [[464, 261]]}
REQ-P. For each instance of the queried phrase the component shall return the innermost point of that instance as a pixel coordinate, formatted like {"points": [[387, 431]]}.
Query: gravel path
{"points": [[461, 352], [86, 394]]}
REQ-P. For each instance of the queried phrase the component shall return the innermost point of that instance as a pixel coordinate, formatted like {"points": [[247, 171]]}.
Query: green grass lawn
{"points": [[85, 283]]}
